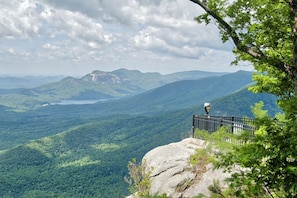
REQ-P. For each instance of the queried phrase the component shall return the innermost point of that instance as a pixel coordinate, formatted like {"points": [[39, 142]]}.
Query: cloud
{"points": [[80, 28], [112, 33], [11, 51], [19, 19], [104, 10]]}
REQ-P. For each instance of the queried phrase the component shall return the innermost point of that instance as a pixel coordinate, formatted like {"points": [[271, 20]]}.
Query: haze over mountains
{"points": [[83, 150], [178, 95], [9, 82], [94, 86]]}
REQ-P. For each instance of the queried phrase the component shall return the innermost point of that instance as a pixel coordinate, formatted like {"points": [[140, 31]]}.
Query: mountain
{"points": [[9, 82], [172, 96], [153, 79], [96, 85], [239, 103], [117, 83], [186, 93], [189, 75]]}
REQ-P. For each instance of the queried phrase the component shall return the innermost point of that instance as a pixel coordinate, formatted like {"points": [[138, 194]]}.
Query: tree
{"points": [[264, 33]]}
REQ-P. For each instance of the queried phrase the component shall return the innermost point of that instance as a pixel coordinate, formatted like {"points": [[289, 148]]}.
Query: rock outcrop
{"points": [[172, 174], [103, 78]]}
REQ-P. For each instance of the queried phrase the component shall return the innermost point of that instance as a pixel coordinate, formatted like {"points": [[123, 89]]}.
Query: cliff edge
{"points": [[171, 172]]}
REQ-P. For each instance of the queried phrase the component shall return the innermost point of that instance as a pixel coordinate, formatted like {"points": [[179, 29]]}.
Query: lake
{"points": [[79, 102]]}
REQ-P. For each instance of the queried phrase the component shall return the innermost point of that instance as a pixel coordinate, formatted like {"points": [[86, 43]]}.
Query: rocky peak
{"points": [[103, 78]]}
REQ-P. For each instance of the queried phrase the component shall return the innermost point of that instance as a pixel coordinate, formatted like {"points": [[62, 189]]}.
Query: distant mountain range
{"points": [[96, 85], [178, 95], [228, 95], [9, 82]]}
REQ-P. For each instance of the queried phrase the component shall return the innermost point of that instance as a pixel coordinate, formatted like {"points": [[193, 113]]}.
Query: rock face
{"points": [[103, 78], [173, 175]]}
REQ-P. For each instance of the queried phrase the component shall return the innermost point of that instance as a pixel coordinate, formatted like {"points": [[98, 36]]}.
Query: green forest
{"points": [[84, 150], [60, 153], [86, 161]]}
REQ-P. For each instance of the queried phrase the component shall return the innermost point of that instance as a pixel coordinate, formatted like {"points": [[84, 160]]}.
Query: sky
{"points": [[76, 37]]}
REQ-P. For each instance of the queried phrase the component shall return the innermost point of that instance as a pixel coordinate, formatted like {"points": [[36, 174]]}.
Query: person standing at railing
{"points": [[207, 110]]}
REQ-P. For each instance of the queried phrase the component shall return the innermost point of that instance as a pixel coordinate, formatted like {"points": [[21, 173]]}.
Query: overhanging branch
{"points": [[231, 32], [250, 49]]}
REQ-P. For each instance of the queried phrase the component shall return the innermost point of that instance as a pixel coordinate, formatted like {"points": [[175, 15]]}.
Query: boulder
{"points": [[172, 174]]}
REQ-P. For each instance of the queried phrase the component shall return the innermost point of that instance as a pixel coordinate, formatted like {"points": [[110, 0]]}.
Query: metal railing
{"points": [[232, 124]]}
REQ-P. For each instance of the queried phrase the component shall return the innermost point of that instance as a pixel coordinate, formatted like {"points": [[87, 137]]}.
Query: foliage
{"points": [[216, 190], [267, 42], [270, 159], [201, 158], [138, 180], [264, 33], [220, 139], [257, 156]]}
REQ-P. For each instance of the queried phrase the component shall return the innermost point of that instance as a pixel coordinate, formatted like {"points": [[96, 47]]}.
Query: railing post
{"points": [[193, 125], [207, 123], [232, 124]]}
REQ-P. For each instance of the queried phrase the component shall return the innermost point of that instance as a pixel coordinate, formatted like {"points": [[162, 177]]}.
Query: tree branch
{"points": [[252, 50], [249, 50]]}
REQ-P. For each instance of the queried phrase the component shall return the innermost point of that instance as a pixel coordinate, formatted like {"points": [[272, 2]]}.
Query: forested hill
{"points": [[172, 96], [94, 86], [188, 93], [12, 82]]}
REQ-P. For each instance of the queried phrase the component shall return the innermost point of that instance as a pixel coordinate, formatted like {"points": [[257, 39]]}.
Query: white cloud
{"points": [[82, 29], [51, 47], [12, 51], [19, 19], [137, 34]]}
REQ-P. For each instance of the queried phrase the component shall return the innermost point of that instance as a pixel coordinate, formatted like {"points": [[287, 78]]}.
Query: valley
{"points": [[83, 150], [97, 85]]}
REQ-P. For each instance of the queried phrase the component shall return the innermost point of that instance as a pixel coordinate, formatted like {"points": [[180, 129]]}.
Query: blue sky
{"points": [[75, 37]]}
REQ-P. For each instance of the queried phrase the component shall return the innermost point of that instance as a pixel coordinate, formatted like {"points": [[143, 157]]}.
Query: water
{"points": [[78, 102]]}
